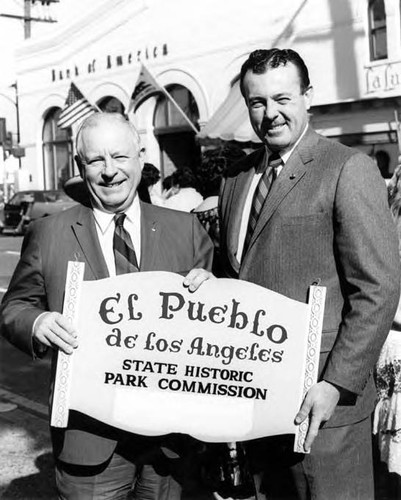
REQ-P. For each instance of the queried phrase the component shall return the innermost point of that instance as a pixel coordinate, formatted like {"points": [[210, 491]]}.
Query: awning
{"points": [[230, 122]]}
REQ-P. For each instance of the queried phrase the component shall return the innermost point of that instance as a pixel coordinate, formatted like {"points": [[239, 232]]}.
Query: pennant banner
{"points": [[230, 362], [145, 87]]}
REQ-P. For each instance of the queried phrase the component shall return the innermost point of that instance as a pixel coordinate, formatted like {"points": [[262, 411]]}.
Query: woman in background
{"points": [[179, 190], [387, 416]]}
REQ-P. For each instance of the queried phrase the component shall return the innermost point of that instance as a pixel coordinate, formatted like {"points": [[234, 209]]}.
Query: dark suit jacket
{"points": [[326, 219], [170, 241]]}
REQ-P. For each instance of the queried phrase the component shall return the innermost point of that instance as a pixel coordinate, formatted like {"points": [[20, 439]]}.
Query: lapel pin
{"points": [[292, 176]]}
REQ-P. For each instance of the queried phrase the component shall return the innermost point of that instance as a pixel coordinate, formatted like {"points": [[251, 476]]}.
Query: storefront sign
{"points": [[383, 78], [108, 62], [230, 362]]}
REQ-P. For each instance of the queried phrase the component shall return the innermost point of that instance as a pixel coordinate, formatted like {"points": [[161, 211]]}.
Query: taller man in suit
{"points": [[300, 210], [94, 460]]}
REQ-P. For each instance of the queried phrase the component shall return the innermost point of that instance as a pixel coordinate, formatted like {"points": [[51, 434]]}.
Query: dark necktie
{"points": [[124, 253], [260, 195]]}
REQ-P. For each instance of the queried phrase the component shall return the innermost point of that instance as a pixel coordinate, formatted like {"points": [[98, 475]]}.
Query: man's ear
{"points": [[141, 157], [80, 165], [308, 96]]}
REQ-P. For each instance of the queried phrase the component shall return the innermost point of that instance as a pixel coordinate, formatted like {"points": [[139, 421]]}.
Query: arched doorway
{"points": [[111, 104], [175, 136], [57, 151]]}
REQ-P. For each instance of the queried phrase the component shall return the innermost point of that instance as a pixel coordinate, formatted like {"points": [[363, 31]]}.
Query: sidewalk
{"points": [[26, 462], [26, 465]]}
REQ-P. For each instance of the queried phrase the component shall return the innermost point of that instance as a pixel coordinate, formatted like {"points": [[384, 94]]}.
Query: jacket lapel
{"points": [[150, 235], [293, 171], [85, 232]]}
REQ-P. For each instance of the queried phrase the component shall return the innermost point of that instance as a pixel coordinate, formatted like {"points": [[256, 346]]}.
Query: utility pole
{"points": [[27, 17]]}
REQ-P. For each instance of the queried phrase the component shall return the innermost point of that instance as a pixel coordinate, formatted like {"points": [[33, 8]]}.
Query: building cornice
{"points": [[55, 49]]}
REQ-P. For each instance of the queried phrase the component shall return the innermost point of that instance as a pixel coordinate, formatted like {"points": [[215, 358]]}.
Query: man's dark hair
{"points": [[183, 177], [259, 61]]}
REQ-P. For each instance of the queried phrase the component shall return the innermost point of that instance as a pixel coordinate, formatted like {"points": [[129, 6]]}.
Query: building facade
{"points": [[195, 50]]}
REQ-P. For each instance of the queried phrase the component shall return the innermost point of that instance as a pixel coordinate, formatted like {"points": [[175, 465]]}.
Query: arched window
{"points": [[57, 151], [175, 136], [111, 104], [377, 30]]}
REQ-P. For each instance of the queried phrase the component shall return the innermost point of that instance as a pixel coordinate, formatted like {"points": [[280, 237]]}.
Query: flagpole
{"points": [[167, 94]]}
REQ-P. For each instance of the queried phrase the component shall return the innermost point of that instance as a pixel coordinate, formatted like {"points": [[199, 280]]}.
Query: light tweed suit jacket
{"points": [[326, 220]]}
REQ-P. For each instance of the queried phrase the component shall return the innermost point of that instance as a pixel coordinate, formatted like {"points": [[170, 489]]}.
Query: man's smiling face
{"points": [[110, 164], [278, 109]]}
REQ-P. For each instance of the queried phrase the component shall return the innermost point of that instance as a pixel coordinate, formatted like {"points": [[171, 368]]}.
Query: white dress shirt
{"points": [[248, 202], [105, 231]]}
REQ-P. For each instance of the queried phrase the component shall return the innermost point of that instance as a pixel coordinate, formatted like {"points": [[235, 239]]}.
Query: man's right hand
{"points": [[52, 329]]}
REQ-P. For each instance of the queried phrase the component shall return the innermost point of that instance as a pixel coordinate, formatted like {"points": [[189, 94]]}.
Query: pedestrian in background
{"points": [[387, 417], [213, 167], [180, 190], [147, 189]]}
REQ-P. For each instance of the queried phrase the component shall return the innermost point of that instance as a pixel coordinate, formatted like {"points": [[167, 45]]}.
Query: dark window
{"points": [[57, 151], [176, 137], [377, 30], [111, 105]]}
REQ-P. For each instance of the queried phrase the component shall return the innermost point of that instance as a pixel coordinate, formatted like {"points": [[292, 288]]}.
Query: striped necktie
{"points": [[262, 190], [123, 249]]}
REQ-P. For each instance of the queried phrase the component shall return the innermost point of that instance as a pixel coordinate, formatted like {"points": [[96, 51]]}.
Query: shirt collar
{"points": [[285, 156], [104, 219]]}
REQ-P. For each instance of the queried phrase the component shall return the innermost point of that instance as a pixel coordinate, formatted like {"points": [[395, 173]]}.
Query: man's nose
{"points": [[271, 111], [109, 167]]}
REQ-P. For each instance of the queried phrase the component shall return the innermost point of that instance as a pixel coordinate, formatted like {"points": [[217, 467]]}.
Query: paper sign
{"points": [[229, 362]]}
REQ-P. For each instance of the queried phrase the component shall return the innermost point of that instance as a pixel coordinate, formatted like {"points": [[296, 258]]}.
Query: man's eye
{"points": [[120, 157], [256, 104], [283, 100], [96, 162]]}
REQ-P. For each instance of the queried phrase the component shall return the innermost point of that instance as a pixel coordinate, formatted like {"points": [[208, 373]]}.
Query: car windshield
{"points": [[53, 196], [19, 198], [41, 196]]}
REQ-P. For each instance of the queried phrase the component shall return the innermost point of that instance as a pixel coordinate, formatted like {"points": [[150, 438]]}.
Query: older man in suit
{"points": [[300, 210], [115, 234]]}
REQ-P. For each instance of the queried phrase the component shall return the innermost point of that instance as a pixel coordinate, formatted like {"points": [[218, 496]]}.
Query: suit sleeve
{"points": [[202, 246], [366, 250], [25, 299]]}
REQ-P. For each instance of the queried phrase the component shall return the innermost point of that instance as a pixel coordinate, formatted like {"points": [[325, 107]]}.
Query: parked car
{"points": [[26, 206]]}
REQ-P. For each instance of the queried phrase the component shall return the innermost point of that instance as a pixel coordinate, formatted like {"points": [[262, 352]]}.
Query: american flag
{"points": [[77, 107]]}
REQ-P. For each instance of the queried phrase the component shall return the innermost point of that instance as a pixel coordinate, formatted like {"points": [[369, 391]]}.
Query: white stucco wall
{"points": [[206, 40]]}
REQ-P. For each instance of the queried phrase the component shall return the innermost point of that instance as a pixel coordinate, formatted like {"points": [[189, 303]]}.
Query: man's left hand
{"points": [[319, 405], [195, 278]]}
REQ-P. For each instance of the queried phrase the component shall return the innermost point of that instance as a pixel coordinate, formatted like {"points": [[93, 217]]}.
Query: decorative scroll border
{"points": [[317, 297], [61, 395]]}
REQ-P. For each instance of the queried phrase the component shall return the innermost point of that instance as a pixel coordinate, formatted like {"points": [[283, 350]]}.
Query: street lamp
{"points": [[15, 86]]}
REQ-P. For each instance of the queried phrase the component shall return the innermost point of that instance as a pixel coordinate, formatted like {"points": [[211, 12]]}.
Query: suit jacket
{"points": [[326, 220], [170, 241]]}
